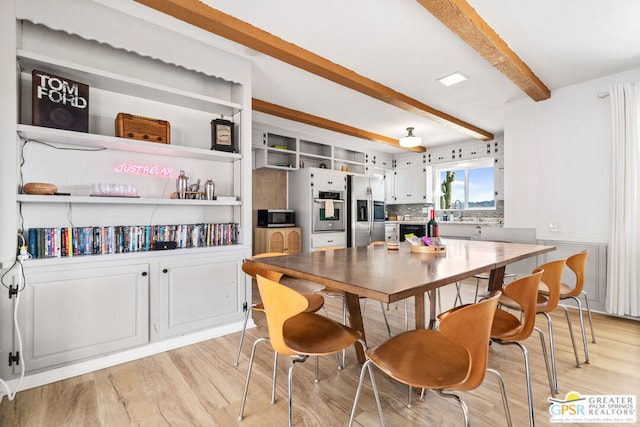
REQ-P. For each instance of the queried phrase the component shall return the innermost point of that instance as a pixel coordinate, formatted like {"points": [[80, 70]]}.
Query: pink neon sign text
{"points": [[134, 169]]}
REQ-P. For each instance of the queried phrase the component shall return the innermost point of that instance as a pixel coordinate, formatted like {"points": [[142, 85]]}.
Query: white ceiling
{"points": [[401, 45]]}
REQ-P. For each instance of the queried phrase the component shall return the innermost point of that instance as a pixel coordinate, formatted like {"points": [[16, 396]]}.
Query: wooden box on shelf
{"points": [[143, 128]]}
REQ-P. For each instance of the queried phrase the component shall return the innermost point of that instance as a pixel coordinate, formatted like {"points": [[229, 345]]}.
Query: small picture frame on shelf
{"points": [[223, 135]]}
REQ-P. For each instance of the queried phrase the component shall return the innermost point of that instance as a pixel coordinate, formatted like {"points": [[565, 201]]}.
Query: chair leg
{"points": [[584, 332], [244, 330], [386, 321], [475, 299], [458, 296], [246, 384], [460, 402], [406, 315], [299, 359], [344, 321], [527, 371], [586, 301], [552, 354], [546, 362], [367, 366], [505, 401], [275, 374], [573, 341]]}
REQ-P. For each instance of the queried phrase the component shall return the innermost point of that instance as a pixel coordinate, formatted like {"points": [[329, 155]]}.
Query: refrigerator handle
{"points": [[371, 211]]}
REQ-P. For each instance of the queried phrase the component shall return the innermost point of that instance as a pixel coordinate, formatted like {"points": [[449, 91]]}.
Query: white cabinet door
{"points": [[68, 313], [390, 187], [411, 184], [198, 293], [328, 180]]}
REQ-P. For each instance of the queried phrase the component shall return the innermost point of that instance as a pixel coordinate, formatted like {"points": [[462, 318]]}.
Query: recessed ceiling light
{"points": [[452, 79]]}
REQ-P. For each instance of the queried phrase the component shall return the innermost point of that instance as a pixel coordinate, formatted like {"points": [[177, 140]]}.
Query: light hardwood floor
{"points": [[198, 386]]}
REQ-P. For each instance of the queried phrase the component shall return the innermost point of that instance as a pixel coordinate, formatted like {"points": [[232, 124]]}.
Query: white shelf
{"points": [[30, 198], [58, 136], [126, 85], [129, 256]]}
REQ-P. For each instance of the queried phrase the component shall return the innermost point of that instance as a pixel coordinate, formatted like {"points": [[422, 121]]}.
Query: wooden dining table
{"points": [[389, 275]]}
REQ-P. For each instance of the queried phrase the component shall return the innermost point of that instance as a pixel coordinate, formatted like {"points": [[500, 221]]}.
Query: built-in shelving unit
{"points": [[185, 295], [270, 152]]}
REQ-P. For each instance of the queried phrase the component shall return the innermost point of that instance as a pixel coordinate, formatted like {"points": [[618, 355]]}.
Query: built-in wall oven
{"points": [[329, 213]]}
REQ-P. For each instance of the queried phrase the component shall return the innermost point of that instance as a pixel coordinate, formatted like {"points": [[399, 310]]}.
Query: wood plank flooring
{"points": [[197, 385]]}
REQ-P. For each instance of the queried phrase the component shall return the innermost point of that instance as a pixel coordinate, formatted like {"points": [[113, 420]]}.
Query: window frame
{"points": [[466, 165]]}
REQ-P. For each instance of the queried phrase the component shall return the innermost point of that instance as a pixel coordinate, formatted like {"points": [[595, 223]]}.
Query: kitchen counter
{"points": [[497, 222]]}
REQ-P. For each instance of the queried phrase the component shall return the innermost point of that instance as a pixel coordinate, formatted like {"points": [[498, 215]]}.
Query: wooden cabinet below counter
{"points": [[281, 239]]}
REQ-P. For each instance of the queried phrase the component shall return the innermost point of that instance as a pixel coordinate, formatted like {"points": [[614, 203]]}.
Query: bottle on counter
{"points": [[432, 225]]}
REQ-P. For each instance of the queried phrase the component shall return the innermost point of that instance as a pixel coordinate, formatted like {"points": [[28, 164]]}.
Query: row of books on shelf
{"points": [[57, 242]]}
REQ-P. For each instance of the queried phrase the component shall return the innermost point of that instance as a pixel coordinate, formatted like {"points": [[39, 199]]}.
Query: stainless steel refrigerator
{"points": [[365, 216]]}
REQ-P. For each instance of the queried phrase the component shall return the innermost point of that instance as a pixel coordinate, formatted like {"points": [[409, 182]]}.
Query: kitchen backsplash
{"points": [[415, 211]]}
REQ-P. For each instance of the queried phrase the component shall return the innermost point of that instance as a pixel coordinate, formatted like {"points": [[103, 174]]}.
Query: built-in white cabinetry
{"points": [[84, 307], [328, 180], [71, 314], [390, 187], [326, 240], [274, 151], [314, 154], [410, 180], [196, 293], [278, 149]]}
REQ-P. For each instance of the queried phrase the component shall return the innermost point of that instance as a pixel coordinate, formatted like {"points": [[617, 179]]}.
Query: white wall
{"points": [[558, 161]]}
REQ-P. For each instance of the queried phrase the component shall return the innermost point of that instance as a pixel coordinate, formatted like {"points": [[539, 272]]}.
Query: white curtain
{"points": [[623, 277]]}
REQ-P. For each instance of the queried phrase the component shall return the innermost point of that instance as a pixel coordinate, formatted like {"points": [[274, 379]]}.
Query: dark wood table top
{"points": [[392, 275]]}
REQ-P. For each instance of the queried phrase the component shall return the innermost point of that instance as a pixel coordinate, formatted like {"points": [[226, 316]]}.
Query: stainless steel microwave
{"points": [[276, 218]]}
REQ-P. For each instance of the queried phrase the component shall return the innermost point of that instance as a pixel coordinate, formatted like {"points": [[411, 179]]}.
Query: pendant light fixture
{"points": [[410, 140]]}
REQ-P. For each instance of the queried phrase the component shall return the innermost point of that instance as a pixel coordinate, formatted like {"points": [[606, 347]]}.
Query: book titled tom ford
{"points": [[59, 102]]}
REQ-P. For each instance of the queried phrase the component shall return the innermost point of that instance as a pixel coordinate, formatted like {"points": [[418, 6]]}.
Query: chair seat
{"points": [[543, 301], [506, 327], [566, 291], [410, 358], [328, 336]]}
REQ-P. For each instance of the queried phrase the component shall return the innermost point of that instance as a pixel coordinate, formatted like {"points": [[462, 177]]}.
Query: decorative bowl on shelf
{"points": [[41, 188]]}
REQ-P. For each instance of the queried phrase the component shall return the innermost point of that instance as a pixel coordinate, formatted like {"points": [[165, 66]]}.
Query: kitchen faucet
{"points": [[459, 208]]}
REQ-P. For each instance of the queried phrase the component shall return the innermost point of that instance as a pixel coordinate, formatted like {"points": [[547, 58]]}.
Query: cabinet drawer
{"points": [[328, 240]]}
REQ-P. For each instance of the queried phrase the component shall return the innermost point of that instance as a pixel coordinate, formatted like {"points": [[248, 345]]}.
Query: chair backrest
{"points": [[550, 282], [253, 270], [280, 303], [524, 291], [470, 326], [577, 263]]}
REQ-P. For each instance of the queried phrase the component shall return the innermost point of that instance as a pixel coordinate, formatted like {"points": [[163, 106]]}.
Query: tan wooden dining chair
{"points": [[315, 301], [548, 300], [297, 333], [451, 359], [577, 264], [508, 329]]}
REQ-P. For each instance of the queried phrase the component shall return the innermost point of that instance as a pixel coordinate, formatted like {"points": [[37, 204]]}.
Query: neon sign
{"points": [[133, 169]]}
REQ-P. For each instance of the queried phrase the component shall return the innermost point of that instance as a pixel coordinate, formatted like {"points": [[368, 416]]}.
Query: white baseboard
{"points": [[80, 368]]}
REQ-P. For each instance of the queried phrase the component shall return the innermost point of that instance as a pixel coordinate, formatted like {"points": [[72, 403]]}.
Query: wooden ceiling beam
{"points": [[299, 116], [464, 21], [212, 20]]}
